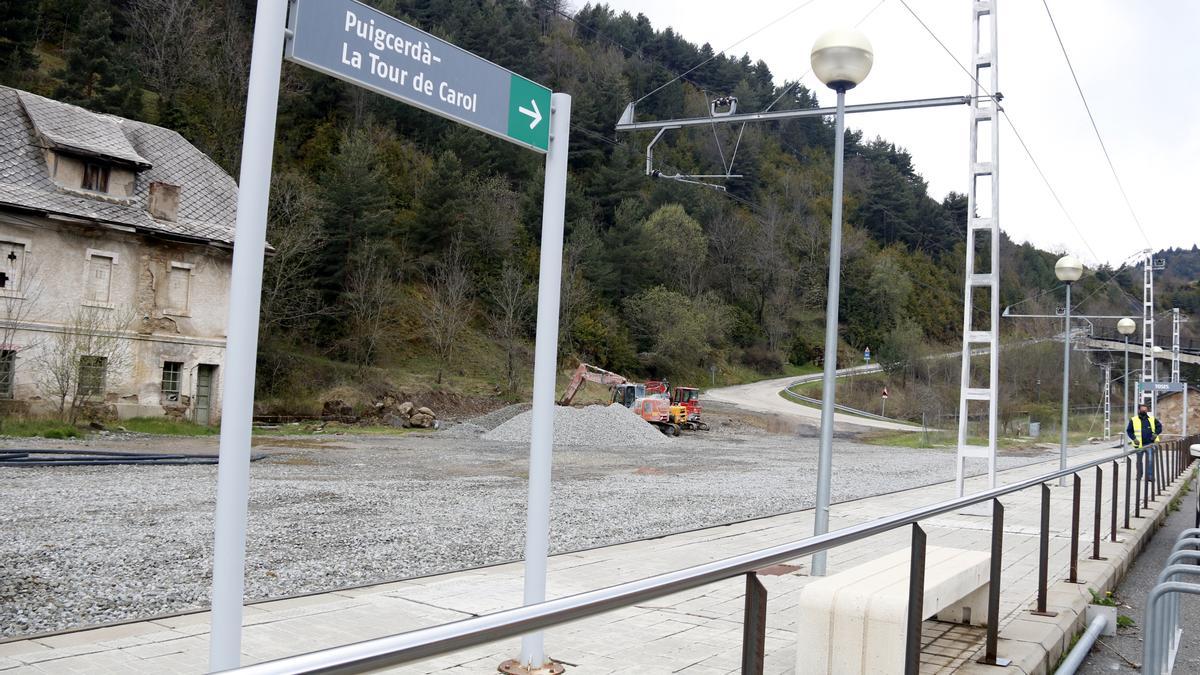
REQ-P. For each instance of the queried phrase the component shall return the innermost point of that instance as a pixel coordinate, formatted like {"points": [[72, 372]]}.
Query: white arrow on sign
{"points": [[535, 115]]}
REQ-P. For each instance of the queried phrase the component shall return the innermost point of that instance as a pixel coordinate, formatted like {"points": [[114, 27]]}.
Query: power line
{"points": [[1095, 128], [716, 54], [1012, 125]]}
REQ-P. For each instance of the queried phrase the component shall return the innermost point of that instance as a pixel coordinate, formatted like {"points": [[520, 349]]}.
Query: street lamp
{"points": [[841, 58], [1068, 269], [1126, 327]]}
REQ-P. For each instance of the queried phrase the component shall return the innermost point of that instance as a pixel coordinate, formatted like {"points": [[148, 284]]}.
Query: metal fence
{"points": [[1162, 464]]}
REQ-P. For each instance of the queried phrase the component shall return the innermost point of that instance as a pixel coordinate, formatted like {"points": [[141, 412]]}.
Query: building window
{"points": [[171, 377], [95, 177], [12, 265], [8, 369], [99, 282], [179, 287], [92, 372]]}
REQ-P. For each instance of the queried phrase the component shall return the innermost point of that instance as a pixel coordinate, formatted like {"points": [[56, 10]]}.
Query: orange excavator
{"points": [[589, 373]]}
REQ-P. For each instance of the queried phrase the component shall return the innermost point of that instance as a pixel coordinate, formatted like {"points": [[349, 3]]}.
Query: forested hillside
{"points": [[408, 244]]}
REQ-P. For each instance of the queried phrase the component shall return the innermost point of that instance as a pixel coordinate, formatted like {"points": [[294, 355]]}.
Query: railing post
{"points": [[1096, 515], [1116, 486], [1044, 555], [1139, 498], [1147, 458], [1128, 483], [1076, 486], [1156, 457], [993, 617], [916, 601], [754, 626]]}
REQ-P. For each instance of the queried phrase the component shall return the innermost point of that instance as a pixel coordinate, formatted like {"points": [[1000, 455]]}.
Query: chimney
{"points": [[164, 201]]}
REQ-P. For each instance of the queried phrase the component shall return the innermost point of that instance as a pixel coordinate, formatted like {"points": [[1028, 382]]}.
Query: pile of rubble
{"points": [[403, 414], [594, 425], [387, 409]]}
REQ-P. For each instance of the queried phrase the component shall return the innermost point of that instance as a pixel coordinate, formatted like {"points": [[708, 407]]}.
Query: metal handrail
{"points": [[427, 642]]}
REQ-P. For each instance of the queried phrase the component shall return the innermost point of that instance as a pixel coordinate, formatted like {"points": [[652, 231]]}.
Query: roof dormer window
{"points": [[95, 177]]}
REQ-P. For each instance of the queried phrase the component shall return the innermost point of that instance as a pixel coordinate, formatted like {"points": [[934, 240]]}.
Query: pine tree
{"points": [[89, 68], [17, 37]]}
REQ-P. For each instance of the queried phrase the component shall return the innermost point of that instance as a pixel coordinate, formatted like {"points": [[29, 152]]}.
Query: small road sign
{"points": [[1168, 386], [352, 42]]}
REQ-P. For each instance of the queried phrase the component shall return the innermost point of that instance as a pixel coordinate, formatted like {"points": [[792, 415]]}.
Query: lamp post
{"points": [[1068, 270], [841, 58], [1126, 327]]}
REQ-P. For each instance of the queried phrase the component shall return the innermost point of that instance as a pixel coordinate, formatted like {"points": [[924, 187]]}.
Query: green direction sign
{"points": [[528, 112], [361, 45]]}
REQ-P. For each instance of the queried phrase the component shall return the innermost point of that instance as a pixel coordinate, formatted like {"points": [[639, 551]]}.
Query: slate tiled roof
{"points": [[208, 195], [71, 128]]}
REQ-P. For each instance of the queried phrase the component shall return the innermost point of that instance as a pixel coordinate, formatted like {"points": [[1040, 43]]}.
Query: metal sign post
{"points": [[245, 286], [353, 42]]}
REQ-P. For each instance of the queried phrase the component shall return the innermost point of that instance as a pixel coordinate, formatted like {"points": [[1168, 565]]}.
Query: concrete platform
{"points": [[696, 632]]}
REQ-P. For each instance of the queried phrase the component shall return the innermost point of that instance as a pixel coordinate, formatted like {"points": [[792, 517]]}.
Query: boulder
{"points": [[421, 421], [405, 409], [395, 421], [426, 411], [336, 407]]}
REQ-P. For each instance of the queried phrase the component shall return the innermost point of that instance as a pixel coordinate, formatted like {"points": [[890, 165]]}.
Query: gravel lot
{"points": [[86, 545]]}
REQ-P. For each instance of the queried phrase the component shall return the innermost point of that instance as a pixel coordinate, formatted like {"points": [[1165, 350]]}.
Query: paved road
{"points": [[1118, 654], [763, 397]]}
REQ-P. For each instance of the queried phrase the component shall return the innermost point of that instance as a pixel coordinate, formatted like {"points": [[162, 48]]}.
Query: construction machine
{"points": [[688, 398], [654, 408], [589, 373]]}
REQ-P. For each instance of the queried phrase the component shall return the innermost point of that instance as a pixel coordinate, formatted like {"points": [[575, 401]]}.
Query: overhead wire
{"points": [[716, 54], [1016, 133], [1095, 127], [752, 206]]}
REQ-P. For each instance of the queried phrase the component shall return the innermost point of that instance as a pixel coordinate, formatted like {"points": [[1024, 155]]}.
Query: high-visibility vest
{"points": [[1137, 429]]}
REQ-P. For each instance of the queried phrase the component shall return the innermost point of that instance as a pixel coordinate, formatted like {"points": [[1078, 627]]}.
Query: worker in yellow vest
{"points": [[1143, 430]]}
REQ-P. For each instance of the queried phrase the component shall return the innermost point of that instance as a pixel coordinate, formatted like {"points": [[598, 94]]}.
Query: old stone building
{"points": [[115, 249]]}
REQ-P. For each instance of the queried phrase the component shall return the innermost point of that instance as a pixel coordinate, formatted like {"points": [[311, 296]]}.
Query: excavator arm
{"points": [[588, 373]]}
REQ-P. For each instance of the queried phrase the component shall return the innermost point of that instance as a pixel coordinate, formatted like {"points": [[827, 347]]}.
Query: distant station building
{"points": [[116, 241]]}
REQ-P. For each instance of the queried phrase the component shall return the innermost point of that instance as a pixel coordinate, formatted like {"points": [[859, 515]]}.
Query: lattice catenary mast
{"points": [[984, 180]]}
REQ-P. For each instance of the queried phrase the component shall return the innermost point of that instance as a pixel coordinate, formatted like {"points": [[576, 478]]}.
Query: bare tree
{"points": [[513, 304], [170, 35], [288, 295], [372, 297], [496, 213], [448, 306], [74, 366]]}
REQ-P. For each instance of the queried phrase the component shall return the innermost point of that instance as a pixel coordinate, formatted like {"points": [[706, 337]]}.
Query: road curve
{"points": [[763, 397]]}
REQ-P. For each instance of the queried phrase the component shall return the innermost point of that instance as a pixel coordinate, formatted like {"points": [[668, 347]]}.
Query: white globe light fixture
{"points": [[1068, 269], [842, 58], [1126, 326]]}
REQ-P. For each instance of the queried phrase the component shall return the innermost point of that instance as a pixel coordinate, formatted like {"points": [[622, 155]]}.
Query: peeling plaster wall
{"points": [[57, 261]]}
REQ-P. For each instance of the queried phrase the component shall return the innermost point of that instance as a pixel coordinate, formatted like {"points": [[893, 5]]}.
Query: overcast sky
{"points": [[1136, 61]]}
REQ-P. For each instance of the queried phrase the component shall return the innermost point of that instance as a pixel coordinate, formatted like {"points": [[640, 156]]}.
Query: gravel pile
{"points": [[595, 425], [497, 417]]}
